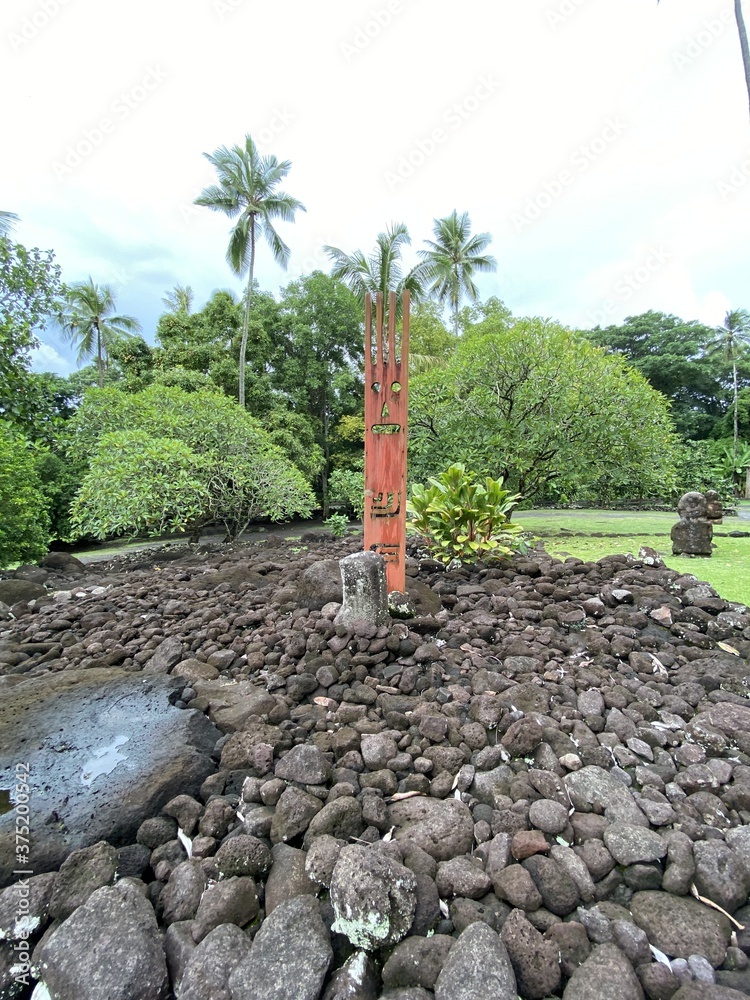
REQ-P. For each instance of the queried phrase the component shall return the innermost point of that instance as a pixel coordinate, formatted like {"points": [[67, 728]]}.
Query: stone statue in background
{"points": [[714, 508], [692, 534]]}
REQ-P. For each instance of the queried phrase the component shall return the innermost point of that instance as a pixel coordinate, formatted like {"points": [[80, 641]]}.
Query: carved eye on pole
{"points": [[396, 387], [376, 386]]}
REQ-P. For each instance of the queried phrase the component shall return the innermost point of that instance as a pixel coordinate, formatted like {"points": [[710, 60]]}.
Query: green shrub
{"points": [[337, 524], [24, 521], [346, 488], [186, 461], [462, 518]]}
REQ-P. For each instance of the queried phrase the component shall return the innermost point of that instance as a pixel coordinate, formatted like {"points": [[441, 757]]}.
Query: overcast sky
{"points": [[605, 144]]}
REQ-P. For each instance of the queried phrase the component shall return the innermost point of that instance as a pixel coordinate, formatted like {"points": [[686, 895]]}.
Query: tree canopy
{"points": [[676, 357], [30, 286], [186, 460], [541, 407]]}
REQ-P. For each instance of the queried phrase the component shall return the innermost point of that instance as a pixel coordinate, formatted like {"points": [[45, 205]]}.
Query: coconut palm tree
{"points": [[380, 271], [247, 191], [179, 300], [7, 222], [89, 321], [744, 47], [452, 258], [732, 340]]}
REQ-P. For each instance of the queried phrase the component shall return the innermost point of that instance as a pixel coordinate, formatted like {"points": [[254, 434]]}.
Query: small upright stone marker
{"points": [[365, 589], [692, 534], [714, 507]]}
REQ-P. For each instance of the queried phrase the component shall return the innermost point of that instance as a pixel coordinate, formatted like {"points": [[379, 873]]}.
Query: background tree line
{"points": [[253, 407]]}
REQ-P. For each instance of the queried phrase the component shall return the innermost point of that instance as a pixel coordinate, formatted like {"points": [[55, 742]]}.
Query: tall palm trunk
{"points": [[736, 420], [99, 360], [246, 319], [743, 43], [456, 302]]}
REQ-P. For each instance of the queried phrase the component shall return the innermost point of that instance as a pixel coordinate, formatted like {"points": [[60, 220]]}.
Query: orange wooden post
{"points": [[386, 403]]}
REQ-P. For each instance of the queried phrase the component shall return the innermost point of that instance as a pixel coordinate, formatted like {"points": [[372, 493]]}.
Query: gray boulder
{"points": [[592, 789], [477, 968], [320, 584], [444, 828], [606, 973], [15, 591], [110, 947], [373, 897], [81, 874], [290, 955], [24, 907], [681, 926], [206, 976], [133, 751], [64, 563]]}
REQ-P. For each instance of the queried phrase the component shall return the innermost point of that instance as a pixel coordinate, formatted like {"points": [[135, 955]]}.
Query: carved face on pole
{"points": [[386, 403]]}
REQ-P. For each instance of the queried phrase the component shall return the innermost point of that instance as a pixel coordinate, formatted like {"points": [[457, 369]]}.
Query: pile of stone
{"points": [[538, 786]]}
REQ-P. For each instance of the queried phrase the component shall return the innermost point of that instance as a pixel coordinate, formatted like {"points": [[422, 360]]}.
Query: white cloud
{"points": [[47, 358], [124, 214]]}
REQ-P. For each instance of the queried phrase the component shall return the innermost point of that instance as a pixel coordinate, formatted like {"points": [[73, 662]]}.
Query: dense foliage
{"points": [[186, 460], [24, 523], [680, 360], [29, 287], [537, 405], [239, 410]]}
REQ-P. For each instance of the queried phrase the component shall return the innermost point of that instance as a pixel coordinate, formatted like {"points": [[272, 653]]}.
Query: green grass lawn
{"points": [[591, 534]]}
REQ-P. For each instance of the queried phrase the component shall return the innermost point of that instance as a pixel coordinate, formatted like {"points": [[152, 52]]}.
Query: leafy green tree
{"points": [[180, 299], [131, 364], [90, 322], [24, 523], [294, 434], [208, 342], [430, 343], [319, 352], [731, 343], [540, 407], [676, 357], [186, 460], [452, 258], [29, 289], [380, 271], [347, 490], [247, 191]]}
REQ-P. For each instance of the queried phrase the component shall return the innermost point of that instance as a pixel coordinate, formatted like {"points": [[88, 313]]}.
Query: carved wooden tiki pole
{"points": [[386, 401]]}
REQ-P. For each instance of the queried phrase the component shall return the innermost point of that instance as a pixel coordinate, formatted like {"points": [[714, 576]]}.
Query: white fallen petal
{"points": [[660, 957], [186, 842]]}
